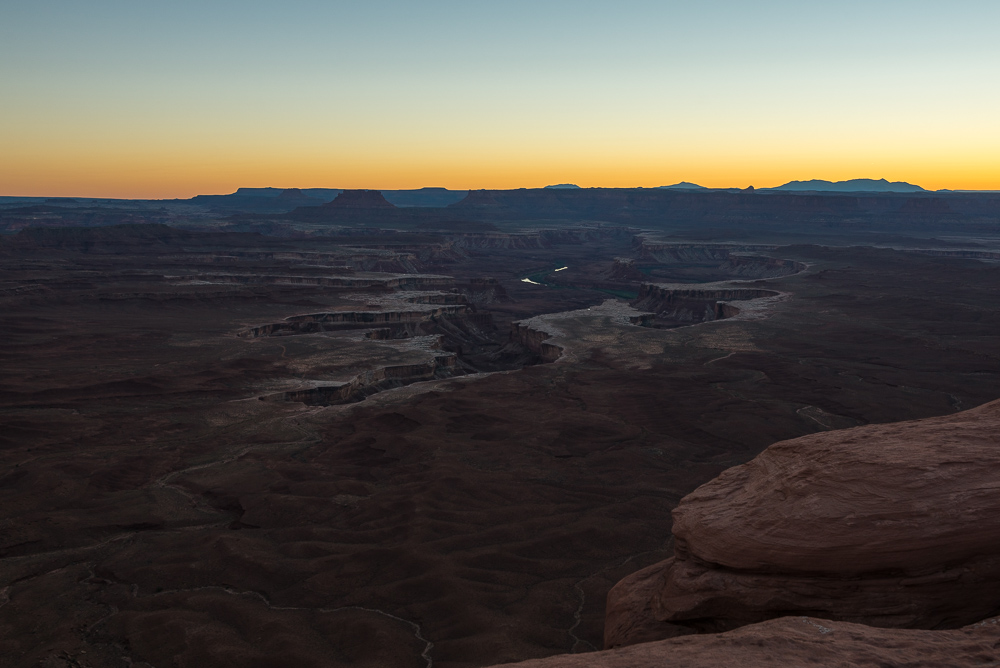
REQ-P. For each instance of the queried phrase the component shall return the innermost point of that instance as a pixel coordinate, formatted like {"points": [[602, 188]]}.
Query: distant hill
{"points": [[564, 186], [360, 199], [852, 186], [276, 200], [683, 185]]}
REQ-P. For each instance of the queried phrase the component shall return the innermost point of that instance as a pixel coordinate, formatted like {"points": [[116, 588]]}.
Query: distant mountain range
{"points": [[683, 185], [564, 186], [852, 186]]}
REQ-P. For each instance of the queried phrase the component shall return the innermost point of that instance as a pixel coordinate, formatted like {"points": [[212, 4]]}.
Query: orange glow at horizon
{"points": [[132, 183], [172, 100], [177, 174], [165, 157]]}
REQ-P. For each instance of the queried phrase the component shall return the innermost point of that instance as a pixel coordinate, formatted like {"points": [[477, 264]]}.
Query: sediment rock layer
{"points": [[892, 525], [535, 340], [800, 641], [694, 305]]}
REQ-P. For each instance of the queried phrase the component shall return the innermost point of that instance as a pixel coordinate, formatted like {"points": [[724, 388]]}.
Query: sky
{"points": [[146, 99]]}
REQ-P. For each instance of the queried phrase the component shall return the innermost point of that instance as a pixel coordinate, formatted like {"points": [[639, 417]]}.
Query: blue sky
{"points": [[152, 97]]}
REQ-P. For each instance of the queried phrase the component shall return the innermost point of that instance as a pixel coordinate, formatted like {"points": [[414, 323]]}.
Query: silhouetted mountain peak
{"points": [[683, 185], [852, 185]]}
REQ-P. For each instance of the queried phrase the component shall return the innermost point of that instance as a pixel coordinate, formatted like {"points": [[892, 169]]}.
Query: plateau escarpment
{"points": [[894, 526], [680, 305]]}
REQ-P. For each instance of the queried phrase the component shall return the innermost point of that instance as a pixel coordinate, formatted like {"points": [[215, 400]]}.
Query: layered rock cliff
{"points": [[531, 336], [800, 641], [892, 525], [681, 305]]}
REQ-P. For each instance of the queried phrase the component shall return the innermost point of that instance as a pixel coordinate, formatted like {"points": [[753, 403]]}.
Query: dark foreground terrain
{"points": [[386, 448]]}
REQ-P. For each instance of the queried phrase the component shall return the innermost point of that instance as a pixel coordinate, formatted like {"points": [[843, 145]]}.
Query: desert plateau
{"points": [[533, 334], [357, 434]]}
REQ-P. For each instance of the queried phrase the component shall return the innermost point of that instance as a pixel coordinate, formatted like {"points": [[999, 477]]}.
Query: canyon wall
{"points": [[535, 340], [800, 641], [692, 305]]}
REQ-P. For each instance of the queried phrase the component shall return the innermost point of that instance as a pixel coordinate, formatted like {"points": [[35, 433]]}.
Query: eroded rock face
{"points": [[800, 641], [892, 525]]}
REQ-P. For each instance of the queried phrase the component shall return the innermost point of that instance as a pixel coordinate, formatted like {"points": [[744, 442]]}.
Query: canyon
{"points": [[829, 548], [443, 435]]}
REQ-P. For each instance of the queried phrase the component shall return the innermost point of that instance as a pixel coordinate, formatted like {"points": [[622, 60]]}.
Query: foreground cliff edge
{"points": [[801, 641], [835, 547]]}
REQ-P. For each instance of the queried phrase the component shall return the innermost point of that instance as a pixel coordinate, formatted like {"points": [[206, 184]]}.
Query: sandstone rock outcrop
{"points": [[800, 641], [894, 525]]}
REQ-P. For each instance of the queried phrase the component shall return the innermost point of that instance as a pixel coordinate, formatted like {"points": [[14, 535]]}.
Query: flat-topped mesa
{"points": [[691, 305], [293, 195], [478, 198], [892, 525], [359, 199]]}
